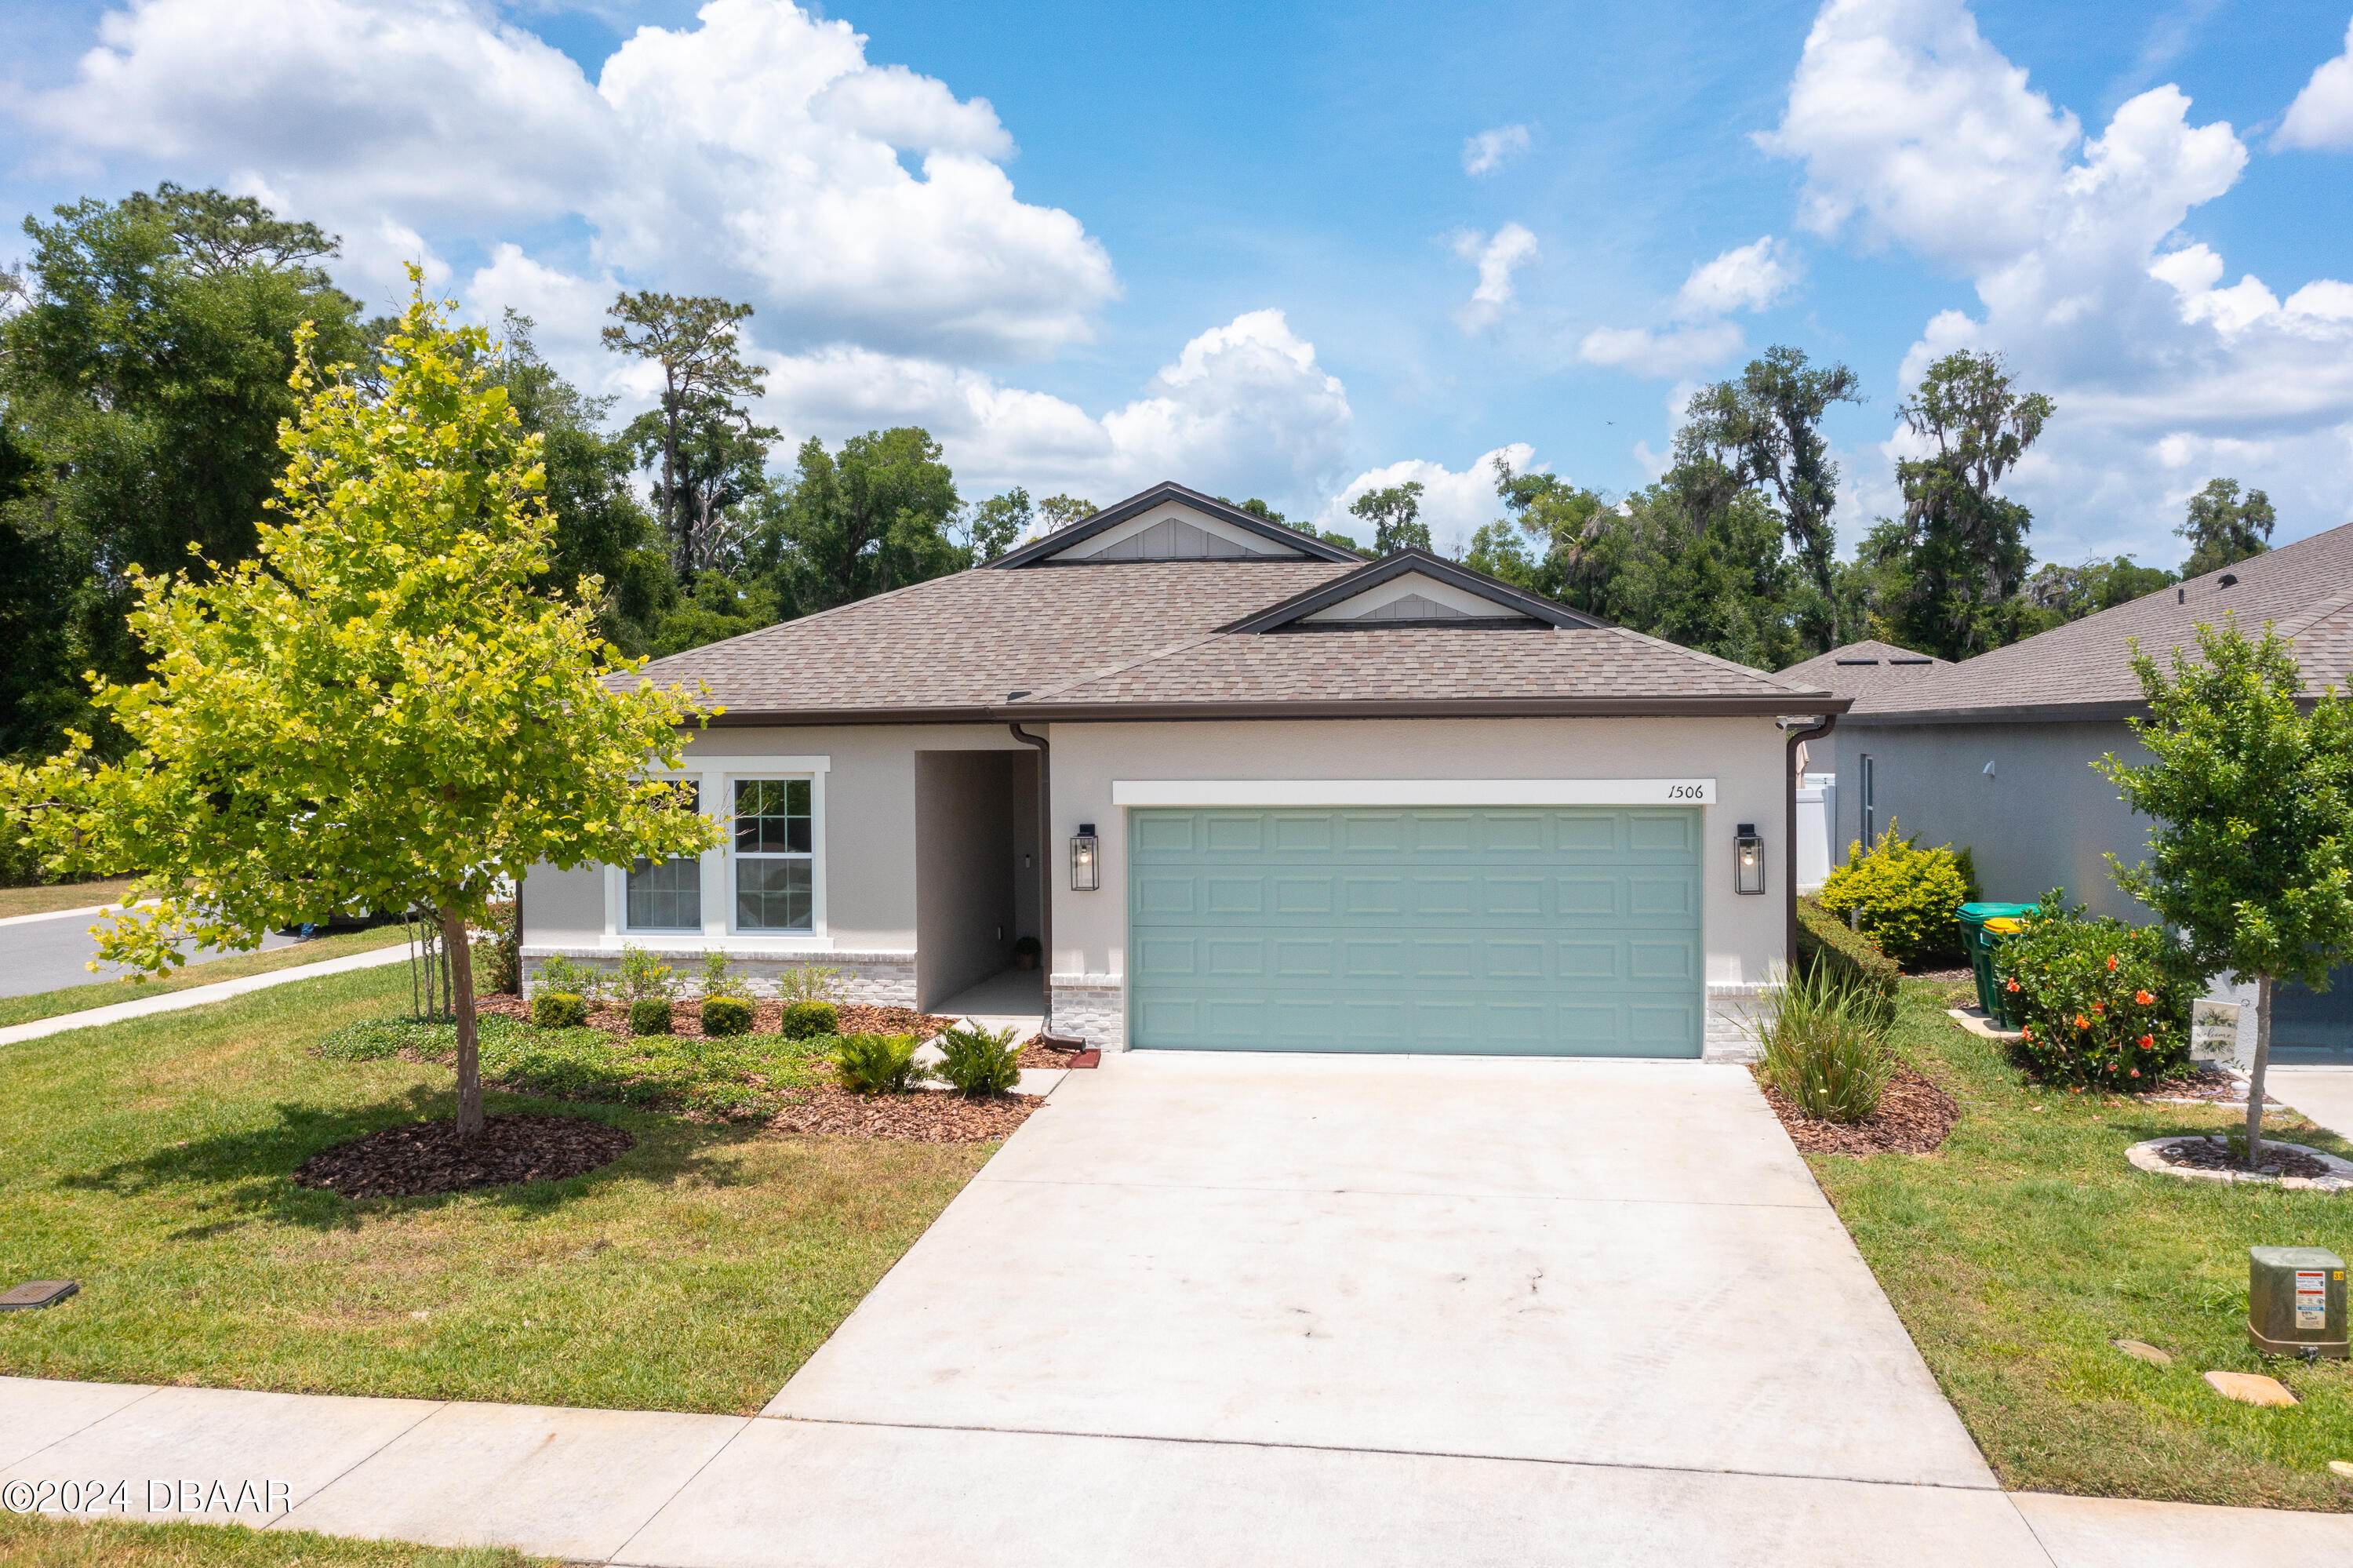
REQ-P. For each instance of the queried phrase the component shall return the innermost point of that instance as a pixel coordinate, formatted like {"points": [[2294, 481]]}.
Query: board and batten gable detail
{"points": [[1268, 792]]}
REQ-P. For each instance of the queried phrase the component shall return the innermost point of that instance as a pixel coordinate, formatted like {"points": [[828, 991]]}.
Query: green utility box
{"points": [[1981, 944], [2295, 1301]]}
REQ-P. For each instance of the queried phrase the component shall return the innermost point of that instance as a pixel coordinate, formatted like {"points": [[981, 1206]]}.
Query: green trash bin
{"points": [[1981, 944]]}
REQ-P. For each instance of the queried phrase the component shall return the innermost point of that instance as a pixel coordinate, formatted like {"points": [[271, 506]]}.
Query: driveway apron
{"points": [[1595, 1262]]}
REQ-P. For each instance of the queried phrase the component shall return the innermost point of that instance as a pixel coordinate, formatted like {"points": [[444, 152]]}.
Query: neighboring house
{"points": [[1251, 791], [1834, 789], [1995, 753]]}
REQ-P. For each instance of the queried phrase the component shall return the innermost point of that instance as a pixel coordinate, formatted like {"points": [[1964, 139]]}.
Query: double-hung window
{"points": [[668, 896], [775, 872]]}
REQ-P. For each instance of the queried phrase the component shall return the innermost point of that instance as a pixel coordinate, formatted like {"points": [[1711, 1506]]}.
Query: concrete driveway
{"points": [[1364, 1308]]}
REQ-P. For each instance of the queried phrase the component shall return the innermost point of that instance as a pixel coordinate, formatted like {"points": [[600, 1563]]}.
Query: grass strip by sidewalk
{"points": [[37, 1539], [237, 966], [150, 1159], [62, 895], [2016, 1253]]}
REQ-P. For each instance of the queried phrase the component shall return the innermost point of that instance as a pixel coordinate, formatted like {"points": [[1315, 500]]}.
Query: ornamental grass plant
{"points": [[1825, 1045]]}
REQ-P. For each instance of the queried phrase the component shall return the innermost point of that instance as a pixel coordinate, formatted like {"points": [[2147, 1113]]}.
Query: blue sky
{"points": [[1077, 286]]}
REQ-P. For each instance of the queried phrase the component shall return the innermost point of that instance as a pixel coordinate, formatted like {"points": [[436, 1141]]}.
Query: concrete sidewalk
{"points": [[2324, 1095], [198, 996]]}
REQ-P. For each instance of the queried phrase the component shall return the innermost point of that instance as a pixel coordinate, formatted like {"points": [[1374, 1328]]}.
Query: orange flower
{"points": [[2013, 985], [2112, 963], [2143, 998], [2026, 1034], [2082, 1022], [2149, 1042], [2135, 1072], [2098, 1008]]}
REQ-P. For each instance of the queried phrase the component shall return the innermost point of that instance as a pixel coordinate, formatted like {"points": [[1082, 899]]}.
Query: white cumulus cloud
{"points": [[1454, 504], [1488, 150], [1915, 131], [1511, 248], [1748, 277], [2322, 114], [758, 154]]}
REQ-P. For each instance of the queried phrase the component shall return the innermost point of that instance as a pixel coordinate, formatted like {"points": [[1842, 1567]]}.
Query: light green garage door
{"points": [[1543, 931]]}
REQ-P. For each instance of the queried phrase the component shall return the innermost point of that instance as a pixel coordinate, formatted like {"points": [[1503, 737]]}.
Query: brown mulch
{"points": [[2212, 1154], [1913, 1117], [922, 1116], [686, 1017], [1037, 1053], [429, 1156]]}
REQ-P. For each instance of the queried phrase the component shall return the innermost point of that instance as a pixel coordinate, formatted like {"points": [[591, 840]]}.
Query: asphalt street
{"points": [[49, 953]]}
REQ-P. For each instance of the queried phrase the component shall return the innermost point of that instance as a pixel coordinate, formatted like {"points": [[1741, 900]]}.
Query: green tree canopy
{"points": [[991, 527], [869, 519], [142, 378], [1395, 514], [698, 435], [2062, 594], [377, 711], [2224, 528], [1957, 558], [1061, 511], [2251, 787]]}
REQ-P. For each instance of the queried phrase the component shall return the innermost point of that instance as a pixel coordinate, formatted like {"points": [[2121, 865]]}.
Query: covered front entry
{"points": [[1533, 931]]}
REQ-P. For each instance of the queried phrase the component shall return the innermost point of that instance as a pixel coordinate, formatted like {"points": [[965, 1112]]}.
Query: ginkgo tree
{"points": [[378, 712]]}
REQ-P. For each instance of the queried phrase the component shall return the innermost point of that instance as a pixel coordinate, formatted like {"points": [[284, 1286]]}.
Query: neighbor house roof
{"points": [[2084, 670], [1123, 639], [1864, 668]]}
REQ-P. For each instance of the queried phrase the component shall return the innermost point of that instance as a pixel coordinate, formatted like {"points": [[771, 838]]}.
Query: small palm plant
{"points": [[980, 1062], [1825, 1047]]}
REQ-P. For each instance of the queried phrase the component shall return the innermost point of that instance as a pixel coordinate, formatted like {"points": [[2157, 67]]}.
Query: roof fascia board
{"points": [[1300, 606], [1771, 705], [1038, 550], [2029, 713]]}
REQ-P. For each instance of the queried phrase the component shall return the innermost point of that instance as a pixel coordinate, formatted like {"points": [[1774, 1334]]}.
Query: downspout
{"points": [[1795, 738], [1045, 848]]}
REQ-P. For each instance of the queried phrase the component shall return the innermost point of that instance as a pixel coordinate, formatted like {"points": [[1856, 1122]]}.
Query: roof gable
{"points": [[1413, 588], [1171, 523]]}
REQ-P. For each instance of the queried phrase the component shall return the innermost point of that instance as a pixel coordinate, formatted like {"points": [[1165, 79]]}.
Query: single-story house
{"points": [[1248, 791], [1995, 753]]}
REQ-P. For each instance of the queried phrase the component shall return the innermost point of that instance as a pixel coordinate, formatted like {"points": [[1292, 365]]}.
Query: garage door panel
{"points": [[1521, 929]]}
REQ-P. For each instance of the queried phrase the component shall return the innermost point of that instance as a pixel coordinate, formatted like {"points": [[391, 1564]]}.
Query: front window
{"points": [[669, 896], [775, 866]]}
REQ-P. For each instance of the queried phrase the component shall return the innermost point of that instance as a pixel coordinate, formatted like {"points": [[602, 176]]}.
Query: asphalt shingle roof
{"points": [[1862, 668], [2084, 669], [1125, 639]]}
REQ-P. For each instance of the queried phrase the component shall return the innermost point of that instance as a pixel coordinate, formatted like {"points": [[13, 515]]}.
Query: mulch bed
{"points": [[2212, 1154], [1037, 1053], [924, 1115], [429, 1156], [686, 1017], [1913, 1117]]}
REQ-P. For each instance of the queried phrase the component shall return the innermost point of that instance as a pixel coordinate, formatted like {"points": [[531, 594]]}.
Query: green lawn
{"points": [[33, 1539], [62, 895], [150, 1161], [2020, 1249], [101, 992]]}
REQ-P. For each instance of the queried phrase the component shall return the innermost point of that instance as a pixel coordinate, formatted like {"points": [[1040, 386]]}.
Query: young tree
{"points": [[2251, 788], [991, 527], [1765, 430], [1395, 514], [1960, 550], [695, 341], [379, 710], [2224, 529]]}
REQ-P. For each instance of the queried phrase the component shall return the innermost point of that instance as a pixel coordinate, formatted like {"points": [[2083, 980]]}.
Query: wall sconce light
{"points": [[1748, 869], [1086, 864]]}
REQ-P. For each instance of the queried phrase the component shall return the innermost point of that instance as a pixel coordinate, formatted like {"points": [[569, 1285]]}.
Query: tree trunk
{"points": [[2256, 1074], [459, 948]]}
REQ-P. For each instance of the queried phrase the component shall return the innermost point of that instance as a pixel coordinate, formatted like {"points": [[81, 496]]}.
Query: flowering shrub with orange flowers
{"points": [[2098, 1002]]}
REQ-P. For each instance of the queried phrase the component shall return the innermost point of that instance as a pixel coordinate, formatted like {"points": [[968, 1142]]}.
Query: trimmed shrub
{"points": [[980, 1062], [559, 1009], [726, 1015], [1825, 1046], [649, 1015], [1906, 899], [877, 1063], [2097, 1002], [806, 1020], [1850, 959]]}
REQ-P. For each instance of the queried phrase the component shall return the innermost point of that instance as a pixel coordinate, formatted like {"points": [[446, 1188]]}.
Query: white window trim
{"points": [[1413, 792], [715, 781]]}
